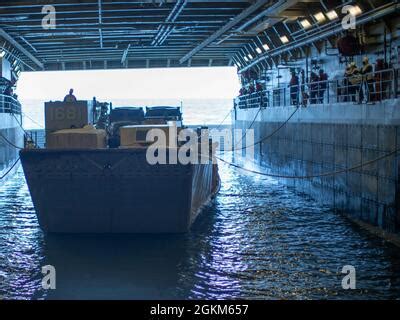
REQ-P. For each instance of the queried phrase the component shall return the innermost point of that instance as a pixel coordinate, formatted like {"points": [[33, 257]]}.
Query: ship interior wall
{"points": [[334, 136], [10, 129], [326, 139]]}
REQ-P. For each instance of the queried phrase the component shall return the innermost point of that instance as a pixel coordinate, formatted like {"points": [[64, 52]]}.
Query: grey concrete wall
{"points": [[325, 139]]}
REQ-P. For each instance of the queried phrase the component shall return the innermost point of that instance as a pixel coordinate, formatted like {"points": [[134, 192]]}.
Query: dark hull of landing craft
{"points": [[114, 191]]}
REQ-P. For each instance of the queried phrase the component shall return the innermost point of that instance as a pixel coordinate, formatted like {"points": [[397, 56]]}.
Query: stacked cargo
{"points": [[85, 138], [136, 136], [69, 126], [68, 115]]}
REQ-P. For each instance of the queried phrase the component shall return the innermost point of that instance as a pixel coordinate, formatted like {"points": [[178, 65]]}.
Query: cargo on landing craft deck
{"points": [[68, 115], [106, 189], [86, 138]]}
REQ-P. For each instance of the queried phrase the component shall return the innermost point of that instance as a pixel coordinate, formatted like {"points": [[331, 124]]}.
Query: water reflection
{"points": [[116, 267], [258, 240]]}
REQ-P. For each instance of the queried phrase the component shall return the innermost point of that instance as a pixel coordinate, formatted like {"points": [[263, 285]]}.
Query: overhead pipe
{"points": [[159, 32], [100, 23], [165, 31]]}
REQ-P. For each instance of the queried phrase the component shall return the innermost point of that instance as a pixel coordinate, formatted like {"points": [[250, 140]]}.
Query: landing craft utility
{"points": [[319, 89], [79, 184]]}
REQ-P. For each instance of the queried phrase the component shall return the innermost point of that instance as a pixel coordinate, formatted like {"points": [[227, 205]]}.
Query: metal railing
{"points": [[358, 88], [9, 104]]}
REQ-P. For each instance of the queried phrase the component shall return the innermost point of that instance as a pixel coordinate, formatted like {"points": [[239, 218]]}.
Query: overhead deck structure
{"points": [[109, 34]]}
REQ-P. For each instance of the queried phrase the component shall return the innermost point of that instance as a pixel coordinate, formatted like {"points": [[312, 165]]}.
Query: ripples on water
{"points": [[258, 240]]}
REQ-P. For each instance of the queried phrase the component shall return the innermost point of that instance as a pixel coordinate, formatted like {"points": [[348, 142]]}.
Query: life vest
{"points": [[368, 71]]}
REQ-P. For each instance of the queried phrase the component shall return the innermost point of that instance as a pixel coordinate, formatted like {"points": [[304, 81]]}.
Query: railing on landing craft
{"points": [[358, 88], [9, 104]]}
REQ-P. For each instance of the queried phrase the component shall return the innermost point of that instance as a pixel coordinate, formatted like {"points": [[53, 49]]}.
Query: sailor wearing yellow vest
{"points": [[367, 72]]}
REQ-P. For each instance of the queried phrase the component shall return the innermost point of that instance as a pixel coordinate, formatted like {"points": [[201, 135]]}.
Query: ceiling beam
{"points": [[269, 17], [324, 33], [245, 13], [165, 31], [19, 47], [100, 24]]}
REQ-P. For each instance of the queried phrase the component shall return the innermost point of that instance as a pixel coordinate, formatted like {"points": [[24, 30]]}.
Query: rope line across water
{"points": [[263, 139], [9, 170], [9, 142], [327, 174]]}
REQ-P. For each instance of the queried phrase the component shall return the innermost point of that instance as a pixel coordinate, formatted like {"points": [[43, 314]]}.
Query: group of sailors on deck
{"points": [[363, 83], [7, 87], [359, 84], [317, 87]]}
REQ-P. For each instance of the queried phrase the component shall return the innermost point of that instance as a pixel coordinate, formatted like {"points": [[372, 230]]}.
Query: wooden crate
{"points": [[87, 138], [134, 136], [68, 115]]}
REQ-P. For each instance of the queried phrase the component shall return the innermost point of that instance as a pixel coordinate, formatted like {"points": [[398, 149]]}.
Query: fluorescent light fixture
{"points": [[245, 59], [355, 10], [332, 15], [259, 51], [305, 24], [250, 56], [284, 39], [15, 63], [266, 47], [2, 54], [320, 17]]}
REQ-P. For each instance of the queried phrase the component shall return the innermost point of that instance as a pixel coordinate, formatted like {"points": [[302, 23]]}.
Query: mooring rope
{"points": [[10, 143], [263, 139], [222, 122], [27, 134], [245, 133], [327, 174], [34, 121], [9, 170]]}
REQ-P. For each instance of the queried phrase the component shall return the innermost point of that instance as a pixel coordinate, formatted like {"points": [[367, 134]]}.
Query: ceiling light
{"points": [[2, 54], [332, 15], [266, 47], [259, 51], [355, 10], [320, 17], [245, 59], [305, 24], [284, 39], [250, 56]]}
